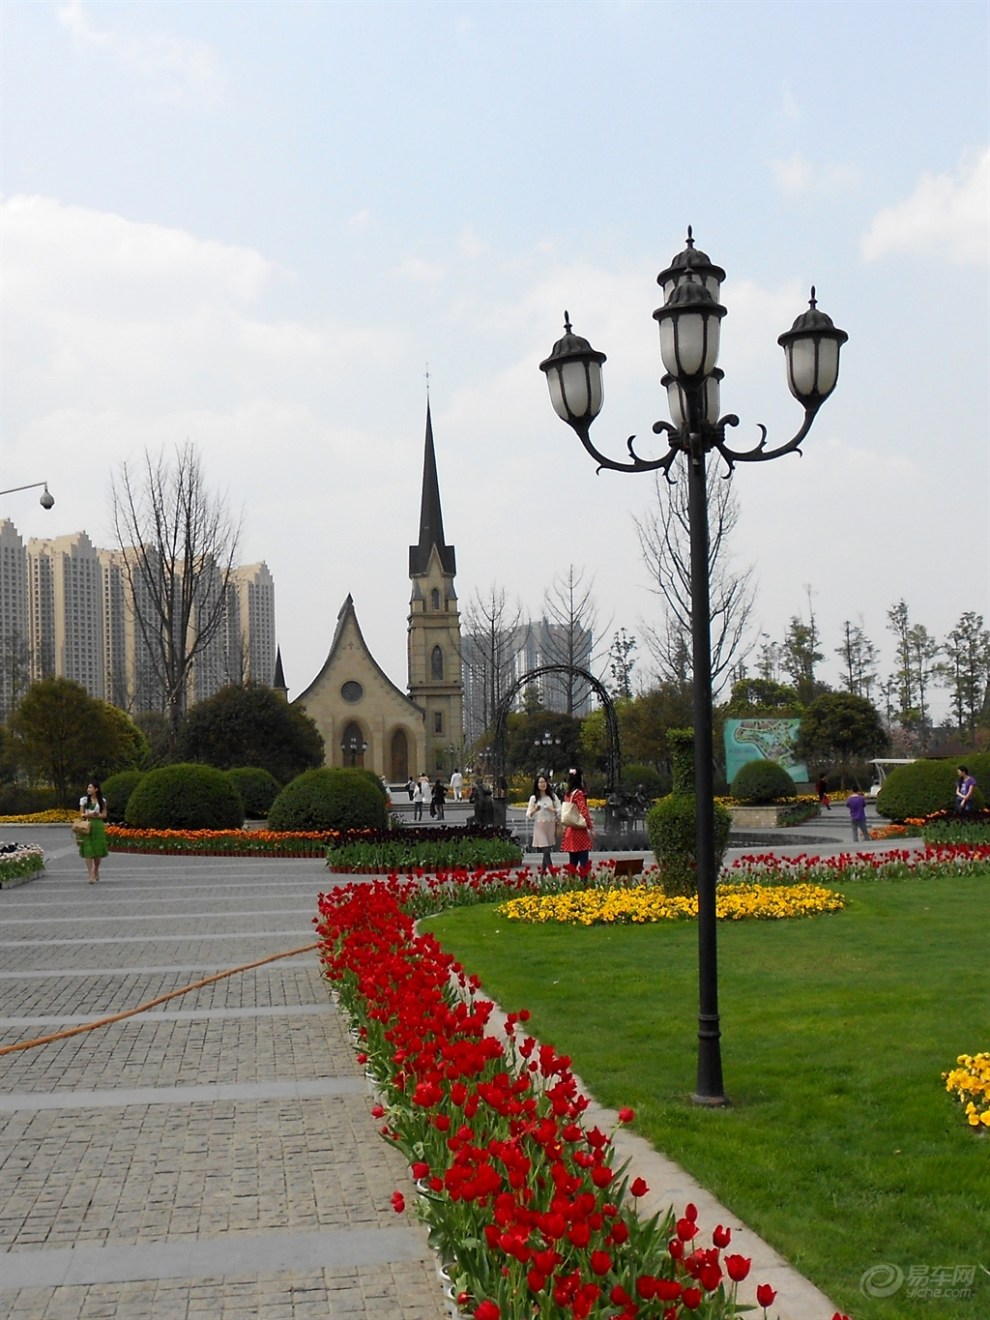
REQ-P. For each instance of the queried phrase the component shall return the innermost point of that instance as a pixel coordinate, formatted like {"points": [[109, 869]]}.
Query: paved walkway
{"points": [[215, 1157]]}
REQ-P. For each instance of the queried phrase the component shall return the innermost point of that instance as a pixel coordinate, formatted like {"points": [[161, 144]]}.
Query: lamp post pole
{"points": [[689, 323]]}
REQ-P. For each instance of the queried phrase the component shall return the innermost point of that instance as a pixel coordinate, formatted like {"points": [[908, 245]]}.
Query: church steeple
{"points": [[430, 516], [434, 637]]}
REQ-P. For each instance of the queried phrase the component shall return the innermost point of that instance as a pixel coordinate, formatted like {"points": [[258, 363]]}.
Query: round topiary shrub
{"points": [[329, 799], [761, 782], [372, 778], [258, 789], [670, 827], [920, 789], [185, 797], [117, 790]]}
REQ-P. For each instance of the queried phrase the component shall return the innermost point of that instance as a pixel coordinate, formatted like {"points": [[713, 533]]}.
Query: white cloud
{"points": [[947, 215], [796, 177], [103, 311], [470, 245], [170, 69], [417, 270]]}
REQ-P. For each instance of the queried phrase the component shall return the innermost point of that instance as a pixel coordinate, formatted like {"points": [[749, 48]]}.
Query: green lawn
{"points": [[841, 1147]]}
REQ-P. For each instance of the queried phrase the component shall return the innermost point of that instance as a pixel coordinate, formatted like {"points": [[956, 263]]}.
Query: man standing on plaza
{"points": [[857, 814], [457, 784]]}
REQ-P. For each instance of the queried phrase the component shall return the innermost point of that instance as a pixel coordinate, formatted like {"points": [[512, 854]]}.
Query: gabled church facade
{"points": [[364, 718]]}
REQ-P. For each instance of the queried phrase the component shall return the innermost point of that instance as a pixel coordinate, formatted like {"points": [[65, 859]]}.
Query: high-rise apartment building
{"points": [[15, 649], [70, 610]]}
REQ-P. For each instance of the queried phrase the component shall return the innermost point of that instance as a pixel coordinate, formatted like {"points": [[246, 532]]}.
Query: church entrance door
{"points": [[399, 757]]}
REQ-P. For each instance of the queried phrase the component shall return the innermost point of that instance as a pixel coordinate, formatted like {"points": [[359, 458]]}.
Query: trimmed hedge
{"points": [[670, 827], [921, 789], [185, 797], [117, 790], [330, 798], [257, 787], [759, 783]]}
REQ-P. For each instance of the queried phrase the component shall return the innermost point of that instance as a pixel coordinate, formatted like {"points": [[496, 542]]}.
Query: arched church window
{"points": [[435, 599], [436, 663]]}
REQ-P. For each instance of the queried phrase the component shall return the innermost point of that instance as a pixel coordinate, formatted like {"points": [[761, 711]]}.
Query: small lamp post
{"points": [[546, 742], [689, 322], [352, 746], [46, 500]]}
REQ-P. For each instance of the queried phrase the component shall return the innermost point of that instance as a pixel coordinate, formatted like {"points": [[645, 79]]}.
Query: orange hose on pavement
{"points": [[142, 1008]]}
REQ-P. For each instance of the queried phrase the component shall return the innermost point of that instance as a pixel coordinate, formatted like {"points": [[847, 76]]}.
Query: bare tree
{"points": [[491, 637], [179, 546], [572, 621], [665, 541]]}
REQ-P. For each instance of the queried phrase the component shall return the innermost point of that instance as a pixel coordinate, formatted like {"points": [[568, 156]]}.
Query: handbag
{"points": [[570, 816], [81, 828]]}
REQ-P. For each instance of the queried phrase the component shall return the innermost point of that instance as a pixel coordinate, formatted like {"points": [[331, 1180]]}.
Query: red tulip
{"points": [[765, 1295], [722, 1236], [638, 1187], [737, 1267], [398, 1202]]}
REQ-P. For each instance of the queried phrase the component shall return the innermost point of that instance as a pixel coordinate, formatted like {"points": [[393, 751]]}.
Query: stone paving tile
{"points": [[229, 949], [366, 1293], [283, 984], [138, 1052], [160, 1172]]}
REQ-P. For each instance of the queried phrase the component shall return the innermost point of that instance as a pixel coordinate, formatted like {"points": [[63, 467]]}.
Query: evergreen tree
{"points": [[965, 671]]}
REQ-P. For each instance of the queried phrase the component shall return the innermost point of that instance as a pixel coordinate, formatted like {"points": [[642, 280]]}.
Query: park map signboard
{"points": [[763, 740]]}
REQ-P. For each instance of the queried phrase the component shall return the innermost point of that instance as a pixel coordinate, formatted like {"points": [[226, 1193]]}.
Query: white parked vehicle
{"points": [[882, 767]]}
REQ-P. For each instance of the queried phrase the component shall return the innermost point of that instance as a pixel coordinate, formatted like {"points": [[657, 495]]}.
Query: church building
{"points": [[364, 718]]}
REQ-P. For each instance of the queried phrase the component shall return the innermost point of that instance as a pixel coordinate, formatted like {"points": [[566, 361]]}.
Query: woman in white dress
{"points": [[543, 810]]}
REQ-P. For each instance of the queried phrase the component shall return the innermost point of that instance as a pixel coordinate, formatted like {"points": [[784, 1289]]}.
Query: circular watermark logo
{"points": [[881, 1280]]}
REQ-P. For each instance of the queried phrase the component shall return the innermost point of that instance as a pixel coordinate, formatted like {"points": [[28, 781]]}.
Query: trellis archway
{"points": [[613, 752]]}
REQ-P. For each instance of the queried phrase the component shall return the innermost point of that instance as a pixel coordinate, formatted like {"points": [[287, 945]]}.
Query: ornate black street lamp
{"points": [[353, 746], [689, 323], [46, 500]]}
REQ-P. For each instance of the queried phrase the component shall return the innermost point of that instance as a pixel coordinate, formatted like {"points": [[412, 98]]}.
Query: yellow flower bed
{"points": [[55, 816], [970, 1082], [640, 904]]}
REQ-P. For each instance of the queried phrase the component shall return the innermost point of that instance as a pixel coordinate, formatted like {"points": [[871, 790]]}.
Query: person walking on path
{"points": [[93, 846], [965, 788], [543, 810], [577, 840], [417, 800], [821, 788], [439, 798], [857, 814], [457, 784]]}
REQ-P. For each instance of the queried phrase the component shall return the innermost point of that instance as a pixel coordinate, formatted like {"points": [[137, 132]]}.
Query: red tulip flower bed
{"points": [[523, 1201]]}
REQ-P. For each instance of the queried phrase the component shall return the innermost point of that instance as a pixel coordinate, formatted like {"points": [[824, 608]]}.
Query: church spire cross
{"points": [[430, 515]]}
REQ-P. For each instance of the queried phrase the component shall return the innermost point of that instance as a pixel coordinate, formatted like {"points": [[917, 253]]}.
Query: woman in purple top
{"points": [[965, 787]]}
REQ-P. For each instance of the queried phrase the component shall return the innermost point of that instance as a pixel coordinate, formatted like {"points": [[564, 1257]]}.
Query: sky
{"points": [[267, 228]]}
